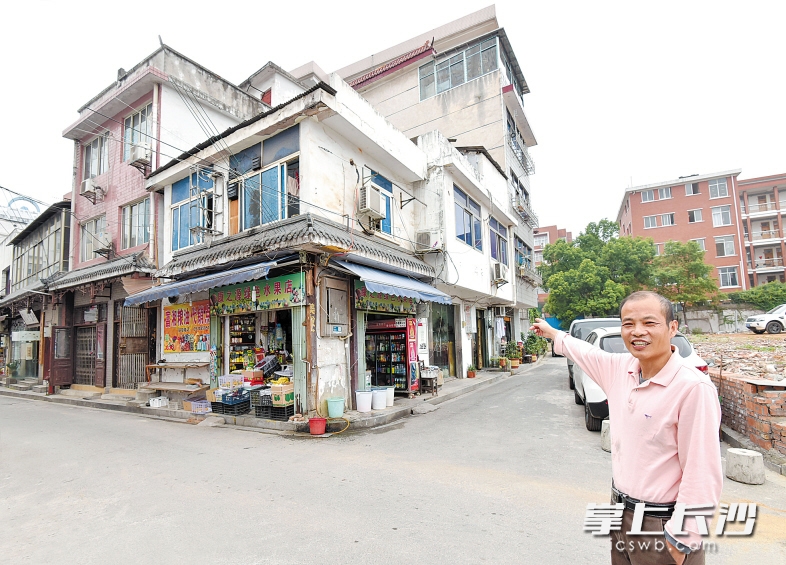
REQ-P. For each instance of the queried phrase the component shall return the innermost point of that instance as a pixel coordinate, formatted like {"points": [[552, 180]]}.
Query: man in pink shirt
{"points": [[664, 417]]}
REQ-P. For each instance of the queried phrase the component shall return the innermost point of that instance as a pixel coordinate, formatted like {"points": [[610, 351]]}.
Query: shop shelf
{"points": [[283, 413]]}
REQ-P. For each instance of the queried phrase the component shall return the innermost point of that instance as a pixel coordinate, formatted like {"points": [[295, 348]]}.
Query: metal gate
{"points": [[132, 347], [85, 372]]}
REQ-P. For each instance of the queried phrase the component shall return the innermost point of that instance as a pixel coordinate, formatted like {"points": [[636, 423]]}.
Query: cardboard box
{"points": [[211, 395], [194, 398], [249, 376], [283, 395]]}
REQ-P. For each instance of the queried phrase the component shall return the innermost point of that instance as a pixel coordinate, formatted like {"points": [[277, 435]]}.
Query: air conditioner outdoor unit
{"points": [[500, 272], [371, 203], [428, 240], [499, 310], [89, 187], [104, 243], [140, 155]]}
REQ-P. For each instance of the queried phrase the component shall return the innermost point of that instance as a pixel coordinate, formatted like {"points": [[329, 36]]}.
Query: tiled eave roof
{"points": [[301, 233], [117, 267], [407, 58]]}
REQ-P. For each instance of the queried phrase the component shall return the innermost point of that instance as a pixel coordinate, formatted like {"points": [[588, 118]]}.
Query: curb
{"points": [[256, 424]]}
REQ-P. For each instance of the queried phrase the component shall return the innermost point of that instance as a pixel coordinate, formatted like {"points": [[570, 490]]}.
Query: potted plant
{"points": [[494, 361], [503, 362], [471, 372], [512, 353], [13, 367]]}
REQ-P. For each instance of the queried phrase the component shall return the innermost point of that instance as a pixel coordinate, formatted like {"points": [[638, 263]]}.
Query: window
{"points": [[458, 68], [137, 129], [467, 219], [192, 206], [691, 188], [92, 236], [386, 193], [657, 248], [499, 241], [136, 224], [538, 257], [96, 157], [718, 188], [728, 276], [721, 216], [541, 240], [694, 216], [724, 246], [667, 219], [650, 222], [700, 243], [523, 253], [647, 195], [664, 193], [41, 253]]}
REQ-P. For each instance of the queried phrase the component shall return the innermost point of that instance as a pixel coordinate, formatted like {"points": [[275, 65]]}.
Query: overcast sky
{"points": [[621, 92]]}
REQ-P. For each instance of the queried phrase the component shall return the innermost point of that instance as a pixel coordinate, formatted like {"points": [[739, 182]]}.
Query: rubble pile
{"points": [[763, 358]]}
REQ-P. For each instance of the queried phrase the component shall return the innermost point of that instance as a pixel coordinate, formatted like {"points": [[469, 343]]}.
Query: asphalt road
{"points": [[499, 476]]}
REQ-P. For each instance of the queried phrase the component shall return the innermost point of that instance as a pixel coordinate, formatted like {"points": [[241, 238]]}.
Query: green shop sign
{"points": [[381, 302], [269, 294]]}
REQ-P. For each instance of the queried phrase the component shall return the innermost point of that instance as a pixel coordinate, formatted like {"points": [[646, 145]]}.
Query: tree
{"points": [[587, 291], [766, 296], [629, 261], [682, 276]]}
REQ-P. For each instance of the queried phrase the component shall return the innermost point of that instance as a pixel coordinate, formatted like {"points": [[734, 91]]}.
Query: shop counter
{"points": [[183, 365]]}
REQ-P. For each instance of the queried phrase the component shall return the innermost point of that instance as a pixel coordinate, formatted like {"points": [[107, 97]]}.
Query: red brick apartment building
{"points": [[705, 209], [762, 205]]}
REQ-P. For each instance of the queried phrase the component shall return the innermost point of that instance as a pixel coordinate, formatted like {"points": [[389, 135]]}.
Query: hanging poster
{"points": [[269, 294], [187, 327], [382, 302]]}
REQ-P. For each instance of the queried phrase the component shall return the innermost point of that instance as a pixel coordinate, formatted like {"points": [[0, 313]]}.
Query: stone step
{"points": [[144, 395], [121, 397], [83, 394], [20, 386], [29, 380], [40, 388]]}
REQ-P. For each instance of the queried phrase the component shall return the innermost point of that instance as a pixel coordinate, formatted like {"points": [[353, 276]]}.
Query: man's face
{"points": [[644, 329]]}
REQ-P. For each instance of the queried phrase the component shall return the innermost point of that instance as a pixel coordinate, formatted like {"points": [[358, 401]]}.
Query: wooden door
{"points": [[133, 346], [62, 366]]}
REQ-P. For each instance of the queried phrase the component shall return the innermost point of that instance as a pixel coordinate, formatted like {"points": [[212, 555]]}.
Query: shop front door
{"points": [[62, 360], [132, 326], [85, 370]]}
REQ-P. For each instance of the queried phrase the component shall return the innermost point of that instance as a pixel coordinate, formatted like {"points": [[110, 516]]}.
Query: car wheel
{"points": [[577, 398], [758, 331], [571, 384], [593, 424], [774, 328]]}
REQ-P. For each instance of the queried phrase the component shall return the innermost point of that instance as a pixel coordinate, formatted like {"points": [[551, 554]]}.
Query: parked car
{"points": [[772, 322], [588, 393], [580, 329]]}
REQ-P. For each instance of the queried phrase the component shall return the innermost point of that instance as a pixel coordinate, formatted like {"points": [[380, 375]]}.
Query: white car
{"points": [[580, 329], [588, 393], [773, 321]]}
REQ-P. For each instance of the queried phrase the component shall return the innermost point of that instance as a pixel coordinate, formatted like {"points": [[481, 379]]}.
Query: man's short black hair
{"points": [[665, 306]]}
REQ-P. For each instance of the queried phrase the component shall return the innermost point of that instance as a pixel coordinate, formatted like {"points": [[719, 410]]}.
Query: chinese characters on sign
{"points": [[269, 294], [381, 302], [187, 327]]}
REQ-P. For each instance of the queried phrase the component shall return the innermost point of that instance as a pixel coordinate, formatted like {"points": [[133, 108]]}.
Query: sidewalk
{"points": [[402, 407]]}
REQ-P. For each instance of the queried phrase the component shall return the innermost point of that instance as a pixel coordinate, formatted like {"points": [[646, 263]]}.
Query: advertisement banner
{"points": [[270, 294], [381, 302], [187, 327]]}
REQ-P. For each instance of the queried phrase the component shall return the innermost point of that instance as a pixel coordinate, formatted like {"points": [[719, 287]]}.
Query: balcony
{"points": [[763, 235], [529, 274], [523, 208], [769, 264], [519, 149], [760, 209]]}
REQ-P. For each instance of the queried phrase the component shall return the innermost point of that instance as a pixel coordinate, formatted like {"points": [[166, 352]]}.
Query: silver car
{"points": [[580, 329]]}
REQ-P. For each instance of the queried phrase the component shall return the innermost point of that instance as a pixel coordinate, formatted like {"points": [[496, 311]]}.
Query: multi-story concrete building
{"points": [[463, 79], [700, 208], [762, 205], [543, 235]]}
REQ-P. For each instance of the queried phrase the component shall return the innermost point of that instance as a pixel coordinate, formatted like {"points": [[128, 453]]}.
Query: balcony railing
{"points": [[766, 207], [520, 151], [523, 208], [766, 263], [764, 234], [529, 274]]}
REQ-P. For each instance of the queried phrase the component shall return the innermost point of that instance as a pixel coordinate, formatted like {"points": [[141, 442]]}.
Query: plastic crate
{"points": [[237, 397], [237, 409], [282, 413], [200, 407], [263, 412], [268, 365], [262, 397], [159, 402], [216, 408], [230, 381]]}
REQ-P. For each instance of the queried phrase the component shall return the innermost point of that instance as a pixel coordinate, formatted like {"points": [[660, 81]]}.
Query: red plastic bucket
{"points": [[317, 426]]}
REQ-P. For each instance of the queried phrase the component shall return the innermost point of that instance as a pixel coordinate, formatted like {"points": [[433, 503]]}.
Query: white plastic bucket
{"points": [[379, 399], [363, 400], [390, 395]]}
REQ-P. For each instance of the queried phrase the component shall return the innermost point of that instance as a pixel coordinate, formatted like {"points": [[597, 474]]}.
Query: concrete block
{"points": [[745, 466], [40, 388], [83, 394], [212, 421], [605, 436], [20, 386], [123, 397]]}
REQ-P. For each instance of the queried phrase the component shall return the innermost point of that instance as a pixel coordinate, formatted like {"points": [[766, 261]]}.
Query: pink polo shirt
{"points": [[664, 432]]}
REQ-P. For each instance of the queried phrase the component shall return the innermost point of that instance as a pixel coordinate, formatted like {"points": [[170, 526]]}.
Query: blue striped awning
{"points": [[389, 283], [206, 282]]}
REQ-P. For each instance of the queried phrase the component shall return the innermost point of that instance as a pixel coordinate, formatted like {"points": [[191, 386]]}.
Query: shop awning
{"points": [[224, 278], [389, 283]]}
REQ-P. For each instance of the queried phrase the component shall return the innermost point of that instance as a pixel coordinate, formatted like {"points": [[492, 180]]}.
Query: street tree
{"points": [[681, 275], [584, 292]]}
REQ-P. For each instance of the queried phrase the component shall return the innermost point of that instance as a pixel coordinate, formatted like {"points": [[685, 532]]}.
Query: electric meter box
{"points": [[334, 313]]}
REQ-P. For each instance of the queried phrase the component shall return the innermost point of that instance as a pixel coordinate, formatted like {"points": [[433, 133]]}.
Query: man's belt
{"points": [[655, 509]]}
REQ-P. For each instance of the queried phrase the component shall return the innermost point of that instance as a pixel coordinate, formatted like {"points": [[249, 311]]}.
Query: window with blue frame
{"points": [[192, 206], [499, 241], [467, 219], [386, 192]]}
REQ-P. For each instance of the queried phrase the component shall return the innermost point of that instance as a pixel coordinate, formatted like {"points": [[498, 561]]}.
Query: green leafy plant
{"points": [[471, 368], [512, 350]]}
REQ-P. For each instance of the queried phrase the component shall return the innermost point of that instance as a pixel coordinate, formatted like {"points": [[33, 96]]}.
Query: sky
{"points": [[622, 93]]}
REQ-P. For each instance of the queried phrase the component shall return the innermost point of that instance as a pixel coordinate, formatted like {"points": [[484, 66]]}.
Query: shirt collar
{"points": [[669, 370]]}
